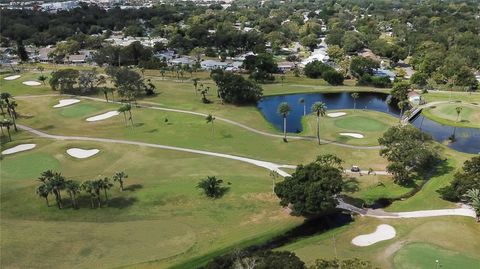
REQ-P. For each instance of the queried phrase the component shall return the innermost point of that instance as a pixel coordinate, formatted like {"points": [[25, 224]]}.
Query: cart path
{"points": [[153, 105], [377, 213]]}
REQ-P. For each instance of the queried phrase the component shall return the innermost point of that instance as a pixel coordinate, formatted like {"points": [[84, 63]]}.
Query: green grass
{"points": [[161, 217], [446, 114], [371, 124], [15, 87], [438, 180], [361, 124], [453, 233], [163, 220], [81, 110], [419, 255], [370, 188], [184, 130]]}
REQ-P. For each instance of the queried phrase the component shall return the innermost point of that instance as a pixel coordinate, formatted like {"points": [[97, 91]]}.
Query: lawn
{"points": [[151, 126], [163, 220], [370, 188], [161, 217], [15, 87], [442, 232], [446, 114], [370, 124], [419, 255]]}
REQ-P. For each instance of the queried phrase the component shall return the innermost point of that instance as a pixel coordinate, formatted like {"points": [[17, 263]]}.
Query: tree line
{"points": [[54, 183]]}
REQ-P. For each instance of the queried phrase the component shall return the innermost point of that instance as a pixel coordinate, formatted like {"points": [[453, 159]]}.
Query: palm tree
{"points": [[473, 198], [120, 177], [458, 109], [320, 109], [212, 187], [355, 96], [57, 184], [42, 78], [105, 93], [105, 184], [2, 106], [89, 188], [124, 109], [402, 105], [195, 84], [43, 191], [284, 109], [10, 105], [7, 123], [73, 189], [41, 68], [211, 119], [302, 101]]}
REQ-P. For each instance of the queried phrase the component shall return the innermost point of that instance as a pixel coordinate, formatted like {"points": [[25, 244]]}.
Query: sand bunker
{"points": [[383, 232], [354, 135], [66, 102], [336, 114], [11, 77], [18, 148], [82, 153], [103, 116], [31, 83]]}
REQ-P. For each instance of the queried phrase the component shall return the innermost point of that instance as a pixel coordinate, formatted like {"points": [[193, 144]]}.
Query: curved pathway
{"points": [[152, 105], [464, 211], [377, 213], [268, 165]]}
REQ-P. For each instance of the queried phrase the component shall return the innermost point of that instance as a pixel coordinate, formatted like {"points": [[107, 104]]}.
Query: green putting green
{"points": [[23, 166], [360, 124], [420, 255], [79, 110], [447, 114]]}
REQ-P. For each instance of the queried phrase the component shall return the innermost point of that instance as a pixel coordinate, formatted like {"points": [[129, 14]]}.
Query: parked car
{"points": [[355, 168]]}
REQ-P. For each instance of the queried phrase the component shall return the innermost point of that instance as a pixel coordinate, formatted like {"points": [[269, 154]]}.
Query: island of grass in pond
{"points": [[469, 115]]}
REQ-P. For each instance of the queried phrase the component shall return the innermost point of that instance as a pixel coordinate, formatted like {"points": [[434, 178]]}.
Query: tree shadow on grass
{"points": [[351, 185], [139, 124], [133, 187], [47, 127], [121, 202]]}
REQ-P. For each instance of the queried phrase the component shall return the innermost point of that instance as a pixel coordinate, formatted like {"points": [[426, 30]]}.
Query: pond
{"points": [[467, 139]]}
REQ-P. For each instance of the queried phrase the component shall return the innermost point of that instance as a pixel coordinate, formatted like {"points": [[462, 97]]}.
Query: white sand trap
{"points": [[66, 102], [354, 135], [103, 116], [82, 153], [32, 83], [382, 233], [18, 148], [11, 77], [336, 114]]}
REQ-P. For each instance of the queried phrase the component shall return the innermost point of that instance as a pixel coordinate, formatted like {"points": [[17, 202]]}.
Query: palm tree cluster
{"points": [[472, 197], [8, 107], [54, 183]]}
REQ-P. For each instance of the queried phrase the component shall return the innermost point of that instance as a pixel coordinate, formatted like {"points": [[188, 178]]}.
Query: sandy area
{"points": [[18, 148], [354, 135], [383, 232], [66, 102], [336, 114], [82, 153], [11, 77], [104, 116], [31, 83]]}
